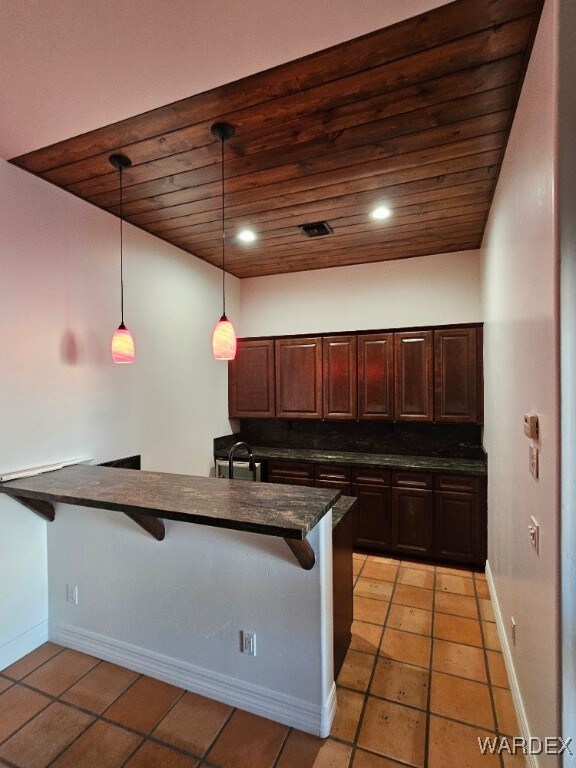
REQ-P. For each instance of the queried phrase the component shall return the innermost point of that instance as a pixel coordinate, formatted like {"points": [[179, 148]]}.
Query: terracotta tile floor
{"points": [[423, 679]]}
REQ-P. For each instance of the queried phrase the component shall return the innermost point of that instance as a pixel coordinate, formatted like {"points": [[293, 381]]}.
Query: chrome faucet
{"points": [[251, 462]]}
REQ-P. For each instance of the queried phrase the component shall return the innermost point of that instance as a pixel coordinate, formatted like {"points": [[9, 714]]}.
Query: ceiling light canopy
{"points": [[381, 212]]}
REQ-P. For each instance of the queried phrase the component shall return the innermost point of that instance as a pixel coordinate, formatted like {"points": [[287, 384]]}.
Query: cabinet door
{"points": [[339, 377], [458, 535], [413, 376], [372, 516], [251, 380], [376, 376], [457, 376], [412, 521], [299, 378]]}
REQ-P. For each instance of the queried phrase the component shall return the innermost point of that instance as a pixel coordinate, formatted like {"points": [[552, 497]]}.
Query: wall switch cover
{"points": [[534, 531]]}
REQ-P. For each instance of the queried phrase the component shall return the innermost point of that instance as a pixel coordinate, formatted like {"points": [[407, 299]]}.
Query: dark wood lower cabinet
{"points": [[407, 513], [412, 521], [343, 586], [458, 526], [372, 516]]}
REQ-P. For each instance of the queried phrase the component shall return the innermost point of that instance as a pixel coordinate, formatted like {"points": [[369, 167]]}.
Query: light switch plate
{"points": [[533, 458], [534, 531]]}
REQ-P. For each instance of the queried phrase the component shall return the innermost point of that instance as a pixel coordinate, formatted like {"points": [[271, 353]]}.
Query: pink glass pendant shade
{"points": [[122, 346], [224, 340]]}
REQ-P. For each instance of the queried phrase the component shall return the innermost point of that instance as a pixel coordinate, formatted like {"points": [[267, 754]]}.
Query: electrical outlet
{"points": [[248, 643], [534, 532], [72, 593], [513, 629]]}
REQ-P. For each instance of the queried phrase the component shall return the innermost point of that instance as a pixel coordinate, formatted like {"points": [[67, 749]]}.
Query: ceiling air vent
{"points": [[316, 229]]}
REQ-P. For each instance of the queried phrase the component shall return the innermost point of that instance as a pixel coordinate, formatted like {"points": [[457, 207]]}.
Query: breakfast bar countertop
{"points": [[274, 510]]}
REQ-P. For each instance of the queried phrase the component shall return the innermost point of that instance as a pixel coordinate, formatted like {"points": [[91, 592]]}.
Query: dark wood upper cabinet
{"points": [[457, 375], [299, 378], [251, 388], [413, 376], [421, 375], [376, 376], [339, 377]]}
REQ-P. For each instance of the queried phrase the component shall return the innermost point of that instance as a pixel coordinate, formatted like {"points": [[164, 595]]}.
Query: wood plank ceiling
{"points": [[414, 116]]}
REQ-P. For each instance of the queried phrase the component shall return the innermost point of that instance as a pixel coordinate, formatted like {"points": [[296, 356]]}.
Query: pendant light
{"points": [[224, 336], [122, 345]]}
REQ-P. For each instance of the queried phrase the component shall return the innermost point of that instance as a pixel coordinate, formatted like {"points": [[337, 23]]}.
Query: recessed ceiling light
{"points": [[246, 236], [382, 212]]}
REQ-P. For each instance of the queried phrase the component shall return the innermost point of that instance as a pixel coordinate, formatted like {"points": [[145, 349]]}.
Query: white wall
{"points": [[567, 234], [520, 375], [175, 610], [61, 397], [429, 290]]}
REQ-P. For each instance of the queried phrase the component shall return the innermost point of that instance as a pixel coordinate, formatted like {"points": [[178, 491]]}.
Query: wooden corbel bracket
{"points": [[303, 552], [45, 509], [42, 508]]}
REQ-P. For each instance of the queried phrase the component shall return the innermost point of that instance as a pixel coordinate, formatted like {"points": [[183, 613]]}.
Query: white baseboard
{"points": [[531, 760], [279, 707], [15, 649]]}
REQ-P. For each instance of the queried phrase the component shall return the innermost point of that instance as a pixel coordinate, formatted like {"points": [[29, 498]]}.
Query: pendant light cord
{"points": [[121, 251], [223, 236]]}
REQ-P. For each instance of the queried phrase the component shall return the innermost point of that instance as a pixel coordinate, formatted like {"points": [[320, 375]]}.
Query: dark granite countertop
{"points": [[274, 510], [381, 460], [341, 509]]}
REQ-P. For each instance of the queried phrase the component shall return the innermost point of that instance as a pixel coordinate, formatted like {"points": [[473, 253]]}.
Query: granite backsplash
{"points": [[458, 441]]}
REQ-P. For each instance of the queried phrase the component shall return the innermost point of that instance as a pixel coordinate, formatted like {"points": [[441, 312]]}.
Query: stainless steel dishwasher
{"points": [[242, 470]]}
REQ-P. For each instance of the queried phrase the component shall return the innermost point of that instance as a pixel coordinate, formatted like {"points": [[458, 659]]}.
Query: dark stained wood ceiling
{"points": [[414, 116]]}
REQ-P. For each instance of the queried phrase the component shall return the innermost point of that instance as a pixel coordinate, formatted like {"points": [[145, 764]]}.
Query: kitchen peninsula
{"points": [[228, 574]]}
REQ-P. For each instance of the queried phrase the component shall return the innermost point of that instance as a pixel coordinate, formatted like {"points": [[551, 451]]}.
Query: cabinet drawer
{"points": [[368, 476], [338, 485], [412, 480], [290, 469], [332, 472], [457, 483]]}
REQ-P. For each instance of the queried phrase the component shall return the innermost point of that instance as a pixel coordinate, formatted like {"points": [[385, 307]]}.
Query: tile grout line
{"points": [[488, 676], [374, 665], [148, 736], [430, 666], [217, 735], [203, 759], [3, 672], [282, 747], [101, 717], [364, 694], [43, 709], [58, 700]]}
